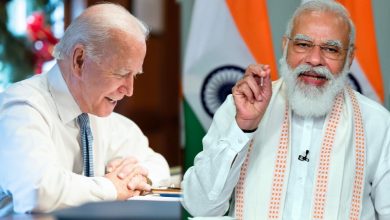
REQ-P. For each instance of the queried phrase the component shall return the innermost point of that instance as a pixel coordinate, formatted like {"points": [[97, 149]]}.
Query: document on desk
{"points": [[167, 191], [156, 197], [161, 194]]}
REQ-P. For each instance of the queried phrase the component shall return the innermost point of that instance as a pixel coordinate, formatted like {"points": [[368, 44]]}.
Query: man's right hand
{"points": [[250, 97], [128, 177]]}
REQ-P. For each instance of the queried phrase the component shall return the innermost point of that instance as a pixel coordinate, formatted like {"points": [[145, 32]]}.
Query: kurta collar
{"points": [[66, 105]]}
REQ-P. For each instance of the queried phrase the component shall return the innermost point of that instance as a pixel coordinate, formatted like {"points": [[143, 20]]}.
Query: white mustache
{"points": [[320, 70]]}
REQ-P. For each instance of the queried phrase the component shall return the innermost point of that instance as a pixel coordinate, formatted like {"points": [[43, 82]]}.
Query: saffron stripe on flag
{"points": [[251, 18], [366, 52]]}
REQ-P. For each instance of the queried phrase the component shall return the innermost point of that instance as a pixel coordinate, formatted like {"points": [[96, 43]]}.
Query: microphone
{"points": [[304, 158]]}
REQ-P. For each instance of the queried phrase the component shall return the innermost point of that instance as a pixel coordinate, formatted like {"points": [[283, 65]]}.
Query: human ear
{"points": [[284, 42], [78, 59]]}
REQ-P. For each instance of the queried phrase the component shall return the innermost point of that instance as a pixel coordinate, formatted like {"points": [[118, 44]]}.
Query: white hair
{"points": [[323, 6], [93, 31]]}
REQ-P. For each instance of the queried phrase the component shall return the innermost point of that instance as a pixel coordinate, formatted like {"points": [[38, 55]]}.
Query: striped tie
{"points": [[86, 141]]}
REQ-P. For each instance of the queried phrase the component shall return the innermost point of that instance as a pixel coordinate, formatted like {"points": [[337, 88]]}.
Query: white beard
{"points": [[308, 100]]}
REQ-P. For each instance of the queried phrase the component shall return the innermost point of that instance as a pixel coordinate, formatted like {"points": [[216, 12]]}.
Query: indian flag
{"points": [[365, 70], [225, 37]]}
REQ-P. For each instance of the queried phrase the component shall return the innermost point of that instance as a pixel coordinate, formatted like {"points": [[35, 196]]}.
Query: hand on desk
{"points": [[128, 177]]}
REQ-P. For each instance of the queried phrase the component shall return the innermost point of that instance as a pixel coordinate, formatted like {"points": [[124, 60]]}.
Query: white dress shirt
{"points": [[40, 152], [305, 133], [209, 185]]}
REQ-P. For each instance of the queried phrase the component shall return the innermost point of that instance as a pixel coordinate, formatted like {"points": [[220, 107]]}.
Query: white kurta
{"points": [[40, 153], [209, 184]]}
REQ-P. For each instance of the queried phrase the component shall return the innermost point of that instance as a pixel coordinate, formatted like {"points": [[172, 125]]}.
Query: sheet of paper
{"points": [[156, 197]]}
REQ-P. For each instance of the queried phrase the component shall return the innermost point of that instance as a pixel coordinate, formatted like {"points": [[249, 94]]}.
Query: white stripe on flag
{"points": [[213, 41], [365, 85]]}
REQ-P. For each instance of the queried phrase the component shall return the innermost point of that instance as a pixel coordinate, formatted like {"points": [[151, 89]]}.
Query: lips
{"points": [[312, 78], [313, 75], [112, 100]]}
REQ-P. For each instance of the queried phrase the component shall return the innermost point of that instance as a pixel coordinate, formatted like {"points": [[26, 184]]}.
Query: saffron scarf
{"points": [[339, 173]]}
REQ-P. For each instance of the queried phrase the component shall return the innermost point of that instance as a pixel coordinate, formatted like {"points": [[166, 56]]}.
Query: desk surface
{"points": [[119, 210], [29, 217], [130, 209]]}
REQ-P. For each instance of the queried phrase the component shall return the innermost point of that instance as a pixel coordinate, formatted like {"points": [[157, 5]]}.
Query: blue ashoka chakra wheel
{"points": [[218, 85]]}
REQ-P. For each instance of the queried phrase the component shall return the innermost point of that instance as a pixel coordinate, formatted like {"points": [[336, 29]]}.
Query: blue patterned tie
{"points": [[86, 142]]}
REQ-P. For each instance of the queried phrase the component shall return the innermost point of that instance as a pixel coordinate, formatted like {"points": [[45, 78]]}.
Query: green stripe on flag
{"points": [[194, 133]]}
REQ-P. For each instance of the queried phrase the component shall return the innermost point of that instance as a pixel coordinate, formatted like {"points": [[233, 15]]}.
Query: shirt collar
{"points": [[66, 105]]}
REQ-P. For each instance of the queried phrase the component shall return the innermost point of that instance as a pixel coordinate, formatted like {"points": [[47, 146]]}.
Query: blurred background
{"points": [[196, 51]]}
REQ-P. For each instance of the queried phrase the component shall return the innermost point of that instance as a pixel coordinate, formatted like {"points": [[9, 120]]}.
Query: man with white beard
{"points": [[303, 147]]}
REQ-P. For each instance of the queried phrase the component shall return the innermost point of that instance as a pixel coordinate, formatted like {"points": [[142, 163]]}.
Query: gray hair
{"points": [[93, 31], [324, 6]]}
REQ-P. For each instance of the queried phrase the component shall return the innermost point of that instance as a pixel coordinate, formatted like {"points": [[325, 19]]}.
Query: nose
{"points": [[127, 87], [314, 57]]}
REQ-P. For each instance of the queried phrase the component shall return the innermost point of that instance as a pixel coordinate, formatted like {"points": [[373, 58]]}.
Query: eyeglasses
{"points": [[329, 51]]}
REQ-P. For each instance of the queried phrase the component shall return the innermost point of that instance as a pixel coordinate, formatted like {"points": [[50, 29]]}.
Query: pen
{"points": [[170, 195]]}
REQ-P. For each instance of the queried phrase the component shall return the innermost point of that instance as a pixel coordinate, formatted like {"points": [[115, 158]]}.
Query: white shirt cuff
{"points": [[236, 137]]}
